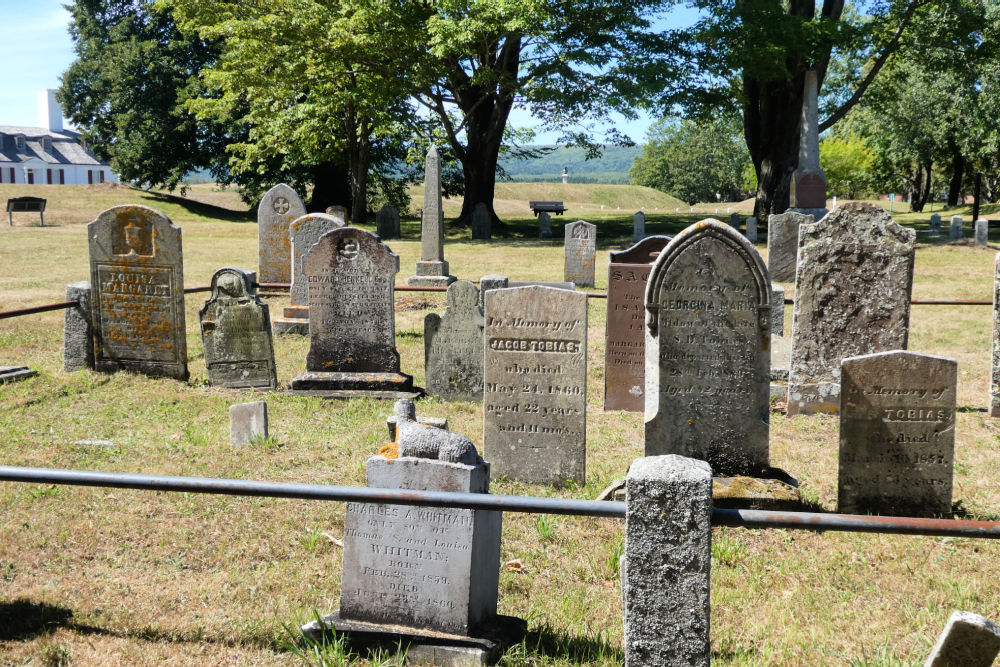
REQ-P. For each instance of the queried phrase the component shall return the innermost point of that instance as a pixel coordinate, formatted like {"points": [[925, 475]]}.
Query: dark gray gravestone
{"points": [[638, 226], [783, 244], [279, 206], [968, 640], [422, 567], [936, 224], [304, 232], [352, 329], [15, 373], [236, 334], [751, 232], [897, 434], [78, 334], [481, 222], [581, 246], [625, 338], [387, 222], [454, 347], [708, 303], [535, 385], [137, 273], [852, 297], [544, 225]]}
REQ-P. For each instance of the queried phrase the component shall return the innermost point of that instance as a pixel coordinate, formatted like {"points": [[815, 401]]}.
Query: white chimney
{"points": [[49, 111]]}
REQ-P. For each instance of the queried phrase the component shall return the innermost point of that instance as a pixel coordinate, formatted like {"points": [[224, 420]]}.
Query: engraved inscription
{"points": [[137, 313]]}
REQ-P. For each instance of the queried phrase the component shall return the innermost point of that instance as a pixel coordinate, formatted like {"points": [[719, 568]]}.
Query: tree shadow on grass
{"points": [[203, 209], [24, 619]]}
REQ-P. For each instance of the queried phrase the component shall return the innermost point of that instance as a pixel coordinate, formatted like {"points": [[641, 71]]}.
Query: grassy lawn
{"points": [[104, 576]]}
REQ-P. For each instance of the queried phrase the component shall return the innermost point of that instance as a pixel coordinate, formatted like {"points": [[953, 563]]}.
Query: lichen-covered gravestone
{"points": [[897, 434], [279, 206], [236, 334], [304, 232], [137, 270], [454, 347], [352, 330], [422, 567], [625, 338], [481, 222], [581, 246], [535, 385], [852, 297], [387, 222], [783, 244], [708, 336]]}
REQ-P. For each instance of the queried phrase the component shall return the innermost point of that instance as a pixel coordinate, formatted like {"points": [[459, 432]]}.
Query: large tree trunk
{"points": [[957, 175], [923, 189], [330, 186], [485, 127], [771, 124]]}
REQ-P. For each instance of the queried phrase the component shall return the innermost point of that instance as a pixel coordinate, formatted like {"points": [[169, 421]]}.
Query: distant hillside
{"points": [[611, 167]]}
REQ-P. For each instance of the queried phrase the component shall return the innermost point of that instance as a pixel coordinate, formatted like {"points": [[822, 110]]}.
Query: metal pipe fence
{"points": [[743, 518]]}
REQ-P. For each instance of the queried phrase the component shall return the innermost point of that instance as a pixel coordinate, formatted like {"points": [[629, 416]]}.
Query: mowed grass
{"points": [[106, 576]]}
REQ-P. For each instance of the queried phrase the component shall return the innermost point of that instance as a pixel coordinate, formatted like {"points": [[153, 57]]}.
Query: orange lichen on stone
{"points": [[390, 451]]}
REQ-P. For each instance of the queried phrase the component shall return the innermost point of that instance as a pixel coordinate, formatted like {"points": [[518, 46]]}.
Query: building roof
{"points": [[67, 148]]}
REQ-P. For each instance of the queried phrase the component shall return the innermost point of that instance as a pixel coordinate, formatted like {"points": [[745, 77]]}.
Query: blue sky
{"points": [[36, 49]]}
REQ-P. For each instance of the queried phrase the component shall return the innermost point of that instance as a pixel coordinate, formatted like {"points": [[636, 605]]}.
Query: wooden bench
{"points": [[25, 205], [547, 206]]}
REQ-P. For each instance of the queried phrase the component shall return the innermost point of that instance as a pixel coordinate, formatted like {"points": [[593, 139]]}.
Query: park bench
{"points": [[25, 205], [547, 206]]}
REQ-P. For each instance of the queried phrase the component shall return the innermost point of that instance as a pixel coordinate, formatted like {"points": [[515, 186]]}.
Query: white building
{"points": [[48, 155]]}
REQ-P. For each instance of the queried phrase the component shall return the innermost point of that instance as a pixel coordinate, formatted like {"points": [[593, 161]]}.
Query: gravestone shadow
{"points": [[24, 619], [546, 641]]}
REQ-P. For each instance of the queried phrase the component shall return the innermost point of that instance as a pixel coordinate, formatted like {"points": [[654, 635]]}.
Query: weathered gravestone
{"points": [[936, 224], [852, 297], [387, 222], [897, 434], [968, 640], [236, 334], [279, 206], [454, 347], [638, 226], [581, 246], [481, 222], [807, 189], [497, 281], [777, 310], [304, 232], [544, 225], [423, 568], [708, 335], [352, 329], [956, 231], [734, 220], [338, 213], [625, 338], [78, 334], [247, 421], [432, 269], [751, 229], [982, 232], [137, 270], [995, 357], [783, 244], [535, 384]]}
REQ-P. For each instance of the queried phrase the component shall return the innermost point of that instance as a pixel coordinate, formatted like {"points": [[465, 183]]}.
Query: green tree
{"points": [[127, 88], [694, 161], [848, 164]]}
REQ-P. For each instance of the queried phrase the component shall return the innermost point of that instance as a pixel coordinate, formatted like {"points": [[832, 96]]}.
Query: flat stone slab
{"points": [[756, 493], [281, 326], [15, 373], [355, 393], [427, 646], [359, 381]]}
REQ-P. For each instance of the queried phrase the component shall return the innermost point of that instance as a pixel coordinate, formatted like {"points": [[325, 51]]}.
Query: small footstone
{"points": [[247, 421], [78, 334], [969, 640], [955, 231], [14, 373]]}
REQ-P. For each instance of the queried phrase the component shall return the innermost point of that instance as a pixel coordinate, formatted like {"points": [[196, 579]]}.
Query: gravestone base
{"points": [[816, 213], [426, 647], [431, 274], [808, 399], [297, 312], [15, 373], [365, 383], [289, 325], [779, 391], [777, 491]]}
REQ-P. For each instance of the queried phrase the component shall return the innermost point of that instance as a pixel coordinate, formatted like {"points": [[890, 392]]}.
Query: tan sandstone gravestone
{"points": [[897, 434], [137, 270], [708, 336], [454, 347], [625, 337], [352, 330], [852, 297], [535, 384], [581, 246], [277, 208], [236, 334]]}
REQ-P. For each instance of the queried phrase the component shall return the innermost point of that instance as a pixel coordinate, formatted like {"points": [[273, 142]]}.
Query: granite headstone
{"points": [[638, 226], [956, 231], [481, 222], [279, 206], [936, 224], [78, 333], [304, 233], [751, 229], [968, 640], [897, 434], [982, 232], [387, 222]]}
